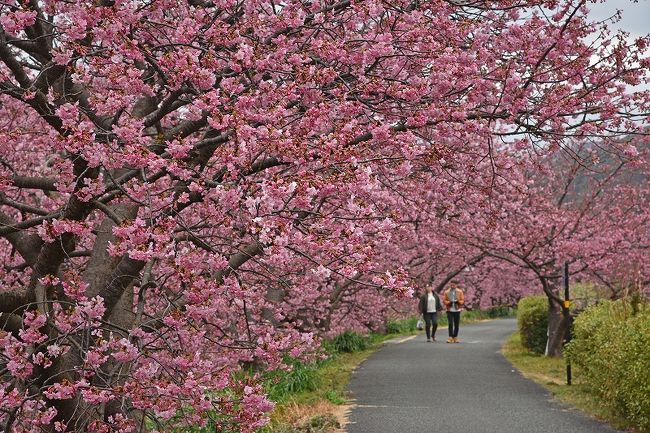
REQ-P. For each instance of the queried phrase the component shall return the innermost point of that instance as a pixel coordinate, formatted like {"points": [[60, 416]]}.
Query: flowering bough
{"points": [[188, 188]]}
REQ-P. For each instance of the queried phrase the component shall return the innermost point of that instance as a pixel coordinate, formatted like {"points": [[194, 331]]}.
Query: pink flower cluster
{"points": [[191, 192]]}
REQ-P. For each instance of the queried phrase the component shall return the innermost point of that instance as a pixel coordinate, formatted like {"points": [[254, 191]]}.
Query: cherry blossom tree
{"points": [[190, 188], [589, 210]]}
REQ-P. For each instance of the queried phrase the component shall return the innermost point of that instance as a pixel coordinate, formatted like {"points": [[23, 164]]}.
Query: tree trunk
{"points": [[558, 326]]}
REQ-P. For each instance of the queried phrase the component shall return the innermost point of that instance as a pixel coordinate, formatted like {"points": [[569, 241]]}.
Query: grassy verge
{"points": [[312, 398], [551, 373]]}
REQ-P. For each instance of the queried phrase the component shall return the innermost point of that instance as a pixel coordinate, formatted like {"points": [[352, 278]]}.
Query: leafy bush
{"points": [[611, 347], [532, 318], [348, 342]]}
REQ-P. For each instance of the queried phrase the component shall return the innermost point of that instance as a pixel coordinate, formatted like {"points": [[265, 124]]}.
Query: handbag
{"points": [[419, 325]]}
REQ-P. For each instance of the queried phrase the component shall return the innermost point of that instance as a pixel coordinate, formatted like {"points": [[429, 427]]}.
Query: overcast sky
{"points": [[636, 20], [636, 16]]}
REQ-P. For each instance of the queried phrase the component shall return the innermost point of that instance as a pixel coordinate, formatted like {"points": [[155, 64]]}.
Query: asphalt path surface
{"points": [[469, 387]]}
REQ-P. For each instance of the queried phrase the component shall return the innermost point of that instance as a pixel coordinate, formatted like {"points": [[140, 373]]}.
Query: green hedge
{"points": [[532, 318], [611, 347]]}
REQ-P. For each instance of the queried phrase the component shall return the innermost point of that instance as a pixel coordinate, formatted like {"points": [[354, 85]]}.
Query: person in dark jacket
{"points": [[429, 306]]}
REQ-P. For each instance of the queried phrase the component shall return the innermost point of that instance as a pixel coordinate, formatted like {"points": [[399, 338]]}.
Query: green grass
{"points": [[348, 342], [551, 373]]}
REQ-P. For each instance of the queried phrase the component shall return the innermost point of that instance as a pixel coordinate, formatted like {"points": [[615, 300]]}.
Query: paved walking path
{"points": [[420, 387]]}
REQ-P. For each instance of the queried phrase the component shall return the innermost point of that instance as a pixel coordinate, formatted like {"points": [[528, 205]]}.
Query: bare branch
{"points": [[32, 182]]}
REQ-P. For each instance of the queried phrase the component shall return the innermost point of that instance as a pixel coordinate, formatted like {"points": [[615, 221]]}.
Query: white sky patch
{"points": [[636, 15], [635, 20]]}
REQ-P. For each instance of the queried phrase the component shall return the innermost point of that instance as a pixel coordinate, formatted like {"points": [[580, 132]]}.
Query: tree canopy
{"points": [[188, 188]]}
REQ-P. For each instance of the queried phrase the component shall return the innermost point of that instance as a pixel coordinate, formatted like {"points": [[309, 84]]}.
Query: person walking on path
{"points": [[454, 299], [429, 306]]}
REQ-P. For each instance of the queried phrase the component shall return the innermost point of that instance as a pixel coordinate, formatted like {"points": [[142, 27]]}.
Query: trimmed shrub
{"points": [[611, 347], [532, 319]]}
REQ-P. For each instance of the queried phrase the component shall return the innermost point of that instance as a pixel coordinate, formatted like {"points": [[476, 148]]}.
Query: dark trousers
{"points": [[430, 324], [454, 321]]}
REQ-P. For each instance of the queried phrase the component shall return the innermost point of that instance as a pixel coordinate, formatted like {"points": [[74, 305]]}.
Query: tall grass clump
{"points": [[348, 342], [280, 384]]}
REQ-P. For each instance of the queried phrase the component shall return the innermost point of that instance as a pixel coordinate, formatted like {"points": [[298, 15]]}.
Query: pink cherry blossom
{"points": [[191, 188]]}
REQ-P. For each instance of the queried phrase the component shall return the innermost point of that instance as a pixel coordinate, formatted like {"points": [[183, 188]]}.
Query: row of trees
{"points": [[190, 187]]}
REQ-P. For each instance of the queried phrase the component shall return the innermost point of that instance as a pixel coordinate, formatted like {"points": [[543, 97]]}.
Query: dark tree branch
{"points": [[27, 245], [451, 275], [32, 182]]}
